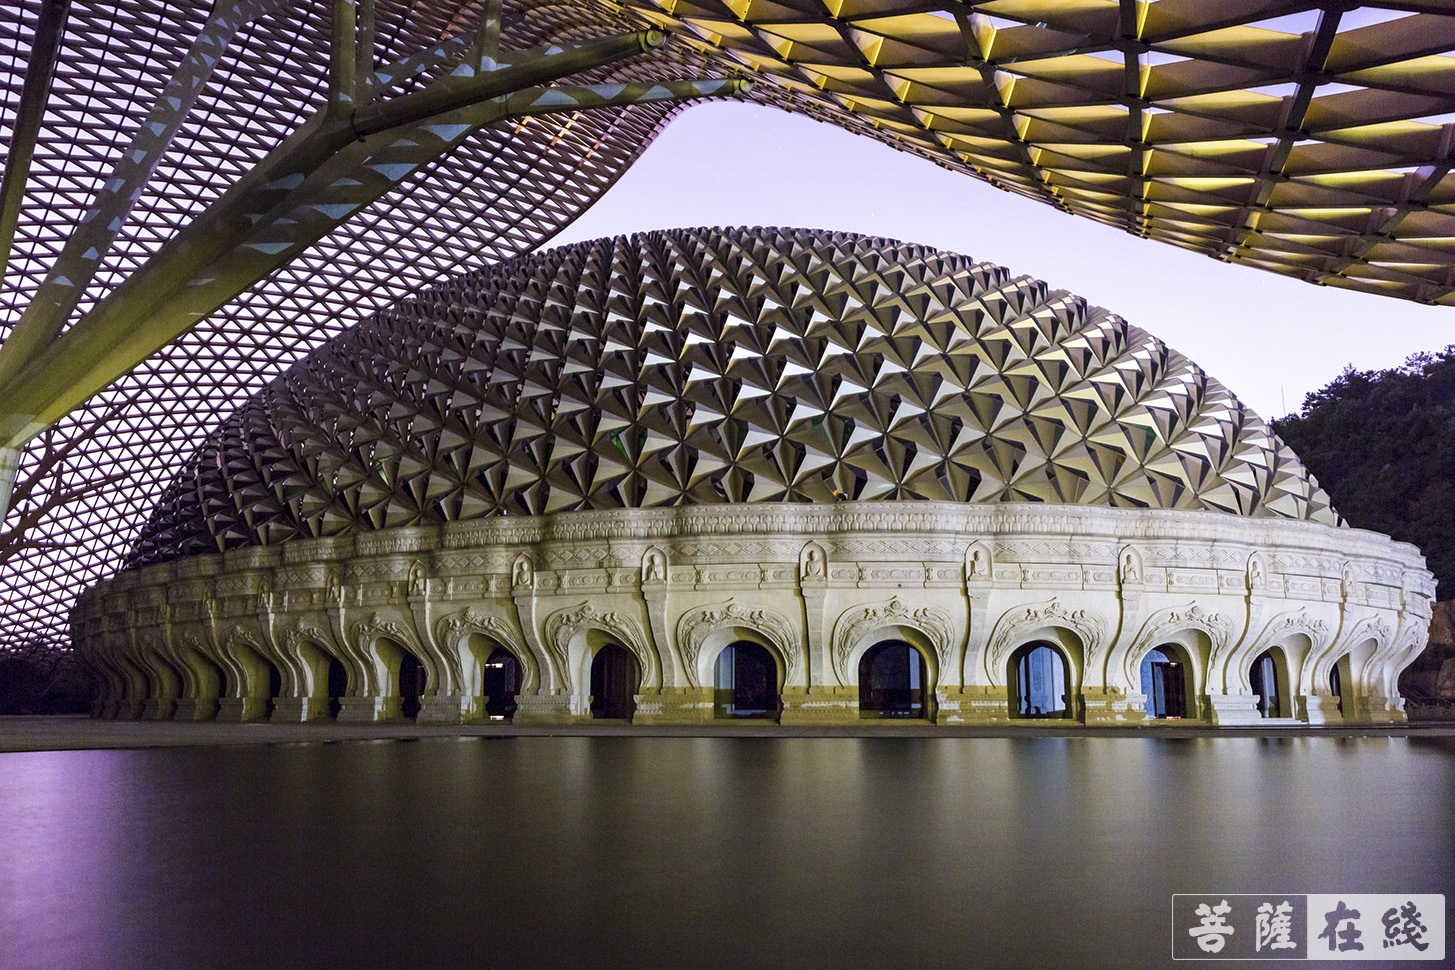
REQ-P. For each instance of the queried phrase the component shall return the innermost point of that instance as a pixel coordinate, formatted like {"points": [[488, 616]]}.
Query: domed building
{"points": [[728, 474]]}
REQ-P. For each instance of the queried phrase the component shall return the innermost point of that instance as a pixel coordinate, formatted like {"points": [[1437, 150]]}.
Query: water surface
{"points": [[694, 852]]}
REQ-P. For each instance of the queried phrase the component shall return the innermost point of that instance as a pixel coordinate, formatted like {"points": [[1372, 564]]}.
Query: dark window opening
{"points": [[500, 683], [745, 682], [892, 680], [1336, 686], [1162, 682], [614, 682], [411, 684], [1264, 676], [1040, 675]]}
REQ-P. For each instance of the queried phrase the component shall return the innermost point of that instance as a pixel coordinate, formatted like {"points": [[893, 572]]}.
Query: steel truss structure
{"points": [[1309, 138]]}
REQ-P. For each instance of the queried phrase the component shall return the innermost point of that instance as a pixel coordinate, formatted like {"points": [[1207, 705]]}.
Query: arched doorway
{"points": [[614, 682], [338, 684], [1164, 682], [1264, 679], [411, 684], [1336, 683], [892, 681], [1039, 675], [500, 683], [745, 682]]}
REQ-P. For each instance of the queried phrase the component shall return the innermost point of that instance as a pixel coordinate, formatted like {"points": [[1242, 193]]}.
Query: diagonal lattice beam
{"points": [[199, 269]]}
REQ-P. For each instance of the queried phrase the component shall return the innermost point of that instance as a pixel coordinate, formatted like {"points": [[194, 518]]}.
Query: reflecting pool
{"points": [[694, 852]]}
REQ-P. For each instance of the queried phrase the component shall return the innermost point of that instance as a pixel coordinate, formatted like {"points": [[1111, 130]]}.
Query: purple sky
{"points": [[1268, 338]]}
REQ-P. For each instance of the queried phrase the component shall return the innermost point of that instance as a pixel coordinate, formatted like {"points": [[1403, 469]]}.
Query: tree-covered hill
{"points": [[1382, 443]]}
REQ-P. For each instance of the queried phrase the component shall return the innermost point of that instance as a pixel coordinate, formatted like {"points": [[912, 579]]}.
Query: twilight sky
{"points": [[1269, 338]]}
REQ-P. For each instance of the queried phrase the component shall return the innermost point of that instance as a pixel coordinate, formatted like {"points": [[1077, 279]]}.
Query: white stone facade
{"points": [[249, 634]]}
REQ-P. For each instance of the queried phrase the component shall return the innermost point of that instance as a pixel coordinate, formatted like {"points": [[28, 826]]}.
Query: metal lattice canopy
{"points": [[1307, 138]]}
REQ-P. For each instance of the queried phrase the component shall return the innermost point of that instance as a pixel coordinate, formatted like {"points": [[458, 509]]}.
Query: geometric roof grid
{"points": [[1309, 138], [711, 366], [1312, 139]]}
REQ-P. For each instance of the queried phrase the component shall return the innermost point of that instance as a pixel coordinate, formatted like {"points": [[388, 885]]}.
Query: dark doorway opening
{"points": [[1163, 683], [745, 682], [1336, 686], [500, 683], [411, 684], [1264, 677], [338, 685], [275, 686], [614, 682], [1040, 674], [892, 681]]}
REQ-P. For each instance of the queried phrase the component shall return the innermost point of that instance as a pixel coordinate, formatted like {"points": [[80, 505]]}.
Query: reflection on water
{"points": [[709, 852]]}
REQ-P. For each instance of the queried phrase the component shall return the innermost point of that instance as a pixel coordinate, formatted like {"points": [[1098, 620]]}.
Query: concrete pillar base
{"points": [[300, 709], [364, 709], [444, 709], [544, 709], [195, 709], [158, 709], [1322, 709], [674, 705], [1375, 709], [972, 705], [1113, 707], [820, 705], [1235, 709], [129, 710], [235, 709]]}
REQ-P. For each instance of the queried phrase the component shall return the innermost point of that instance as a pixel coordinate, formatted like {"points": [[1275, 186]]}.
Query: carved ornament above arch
{"points": [[856, 624], [697, 625]]}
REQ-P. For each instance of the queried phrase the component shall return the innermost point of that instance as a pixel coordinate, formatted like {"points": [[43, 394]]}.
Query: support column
{"points": [[674, 705]]}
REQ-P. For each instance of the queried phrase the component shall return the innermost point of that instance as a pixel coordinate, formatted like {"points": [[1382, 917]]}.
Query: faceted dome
{"points": [[706, 366]]}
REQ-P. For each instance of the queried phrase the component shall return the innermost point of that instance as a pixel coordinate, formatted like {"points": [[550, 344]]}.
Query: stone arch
{"points": [[254, 679], [566, 636], [1359, 642], [928, 629], [1081, 633], [207, 681], [309, 649], [1298, 634], [1199, 635], [455, 633], [164, 681], [376, 679], [702, 633]]}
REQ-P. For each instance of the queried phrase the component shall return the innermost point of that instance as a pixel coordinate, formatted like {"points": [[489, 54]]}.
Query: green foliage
{"points": [[1382, 444]]}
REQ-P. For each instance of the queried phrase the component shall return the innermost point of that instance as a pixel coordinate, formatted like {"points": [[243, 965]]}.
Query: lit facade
{"points": [[895, 482]]}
